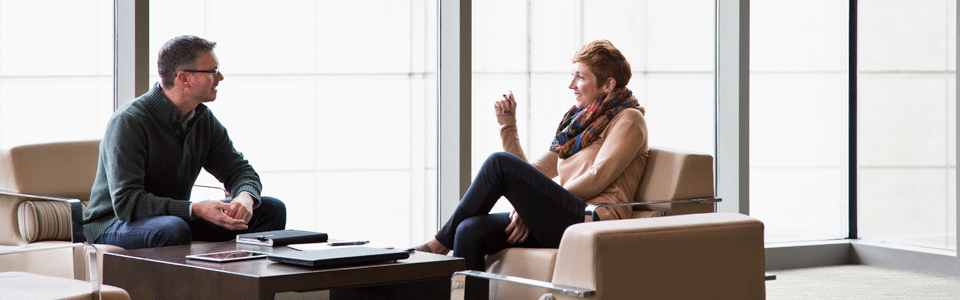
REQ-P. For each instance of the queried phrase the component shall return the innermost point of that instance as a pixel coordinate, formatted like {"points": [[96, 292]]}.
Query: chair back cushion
{"points": [[63, 169], [673, 174]]}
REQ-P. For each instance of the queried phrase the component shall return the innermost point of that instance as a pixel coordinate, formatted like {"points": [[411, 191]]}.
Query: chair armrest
{"points": [[590, 213], [562, 289], [32, 249], [76, 212]]}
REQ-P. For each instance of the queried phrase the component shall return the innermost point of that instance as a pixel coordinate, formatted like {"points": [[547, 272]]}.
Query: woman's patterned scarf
{"points": [[580, 127]]}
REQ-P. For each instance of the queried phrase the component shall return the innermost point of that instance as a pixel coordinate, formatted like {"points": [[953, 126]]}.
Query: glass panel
{"points": [[907, 122], [527, 46], [56, 70], [798, 118], [340, 124]]}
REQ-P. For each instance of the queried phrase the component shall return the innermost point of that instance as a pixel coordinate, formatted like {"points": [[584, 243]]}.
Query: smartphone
{"points": [[226, 256]]}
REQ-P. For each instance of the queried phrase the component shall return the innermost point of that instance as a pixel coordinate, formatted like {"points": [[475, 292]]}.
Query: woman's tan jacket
{"points": [[606, 171]]}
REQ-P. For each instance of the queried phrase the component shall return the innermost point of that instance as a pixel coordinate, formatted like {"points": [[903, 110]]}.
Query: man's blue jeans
{"points": [[545, 207], [170, 230]]}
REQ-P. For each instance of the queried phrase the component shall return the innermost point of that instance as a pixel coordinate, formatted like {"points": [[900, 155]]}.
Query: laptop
{"points": [[340, 256]]}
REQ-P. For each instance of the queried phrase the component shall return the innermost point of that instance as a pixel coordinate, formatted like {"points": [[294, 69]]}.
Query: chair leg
{"points": [[476, 288], [94, 272], [464, 287]]}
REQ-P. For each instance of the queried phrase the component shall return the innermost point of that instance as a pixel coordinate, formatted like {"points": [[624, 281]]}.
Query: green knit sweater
{"points": [[149, 163]]}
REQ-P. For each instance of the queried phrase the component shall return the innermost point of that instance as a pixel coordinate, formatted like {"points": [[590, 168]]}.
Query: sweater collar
{"points": [[163, 109]]}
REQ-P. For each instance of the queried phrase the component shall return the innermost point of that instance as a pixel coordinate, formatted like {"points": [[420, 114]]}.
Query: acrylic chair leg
{"points": [[476, 288]]}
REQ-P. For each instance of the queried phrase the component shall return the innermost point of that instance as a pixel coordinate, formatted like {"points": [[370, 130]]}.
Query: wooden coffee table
{"points": [[165, 273]]}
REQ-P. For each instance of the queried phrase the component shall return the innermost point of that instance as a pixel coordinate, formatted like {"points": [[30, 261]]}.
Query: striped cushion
{"points": [[44, 221]]}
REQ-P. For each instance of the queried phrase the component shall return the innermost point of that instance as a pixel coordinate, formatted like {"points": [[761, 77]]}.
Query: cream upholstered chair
{"points": [[689, 253], [43, 189]]}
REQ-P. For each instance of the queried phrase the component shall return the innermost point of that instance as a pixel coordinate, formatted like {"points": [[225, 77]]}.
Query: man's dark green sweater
{"points": [[149, 163]]}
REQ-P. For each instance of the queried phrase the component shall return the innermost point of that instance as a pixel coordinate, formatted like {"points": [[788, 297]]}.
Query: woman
{"points": [[599, 153]]}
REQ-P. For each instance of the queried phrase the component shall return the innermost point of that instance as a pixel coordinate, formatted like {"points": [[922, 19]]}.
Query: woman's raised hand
{"points": [[507, 106]]}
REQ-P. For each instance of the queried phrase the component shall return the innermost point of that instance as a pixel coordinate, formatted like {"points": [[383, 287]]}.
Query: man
{"points": [[152, 153]]}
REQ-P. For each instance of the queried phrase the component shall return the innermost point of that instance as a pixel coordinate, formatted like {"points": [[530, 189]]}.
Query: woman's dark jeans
{"points": [[545, 207]]}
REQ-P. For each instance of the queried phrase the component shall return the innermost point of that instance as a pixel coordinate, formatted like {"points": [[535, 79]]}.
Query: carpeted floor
{"points": [[859, 282]]}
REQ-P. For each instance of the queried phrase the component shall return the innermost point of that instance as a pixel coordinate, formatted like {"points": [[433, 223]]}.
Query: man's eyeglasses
{"points": [[214, 71]]}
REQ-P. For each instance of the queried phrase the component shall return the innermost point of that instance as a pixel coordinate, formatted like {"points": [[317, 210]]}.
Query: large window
{"points": [[798, 118], [56, 70], [907, 122], [527, 47], [332, 104]]}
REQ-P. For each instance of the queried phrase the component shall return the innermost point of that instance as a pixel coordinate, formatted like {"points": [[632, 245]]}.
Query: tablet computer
{"points": [[226, 256]]}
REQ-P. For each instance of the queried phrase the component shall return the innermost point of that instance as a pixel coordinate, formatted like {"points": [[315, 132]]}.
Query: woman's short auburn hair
{"points": [[605, 61]]}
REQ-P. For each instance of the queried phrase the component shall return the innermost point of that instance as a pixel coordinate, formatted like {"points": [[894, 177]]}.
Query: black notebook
{"points": [[340, 256], [282, 237]]}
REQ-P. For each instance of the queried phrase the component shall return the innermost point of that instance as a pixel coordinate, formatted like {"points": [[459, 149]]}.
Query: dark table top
{"points": [[419, 265]]}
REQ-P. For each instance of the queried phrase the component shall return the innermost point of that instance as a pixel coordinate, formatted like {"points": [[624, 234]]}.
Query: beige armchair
{"points": [[39, 185], [694, 255], [43, 189]]}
